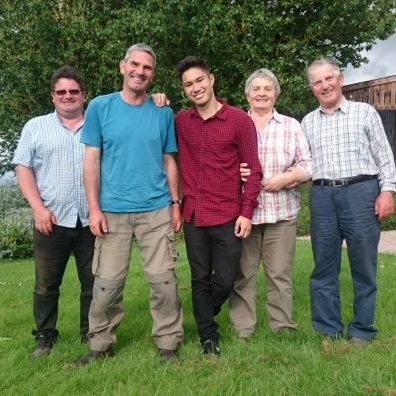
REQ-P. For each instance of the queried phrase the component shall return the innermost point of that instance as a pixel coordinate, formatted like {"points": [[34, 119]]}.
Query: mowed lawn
{"points": [[268, 364]]}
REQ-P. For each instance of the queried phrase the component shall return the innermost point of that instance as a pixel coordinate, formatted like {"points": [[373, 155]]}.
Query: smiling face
{"points": [[68, 98], [198, 86], [262, 94], [326, 85], [138, 72]]}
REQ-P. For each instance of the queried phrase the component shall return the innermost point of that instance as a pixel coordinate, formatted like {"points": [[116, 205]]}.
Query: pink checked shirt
{"points": [[280, 146]]}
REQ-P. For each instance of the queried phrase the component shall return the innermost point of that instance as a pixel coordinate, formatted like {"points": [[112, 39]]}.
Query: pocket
{"points": [[96, 256], [172, 251]]}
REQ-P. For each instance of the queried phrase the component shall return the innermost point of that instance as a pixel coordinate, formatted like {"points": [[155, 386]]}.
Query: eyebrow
{"points": [[195, 79]]}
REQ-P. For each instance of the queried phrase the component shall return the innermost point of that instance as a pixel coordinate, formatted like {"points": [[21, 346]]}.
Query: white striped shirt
{"points": [[281, 146], [348, 142], [55, 154]]}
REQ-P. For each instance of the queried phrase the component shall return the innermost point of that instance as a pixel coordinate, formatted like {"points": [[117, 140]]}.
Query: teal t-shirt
{"points": [[133, 140]]}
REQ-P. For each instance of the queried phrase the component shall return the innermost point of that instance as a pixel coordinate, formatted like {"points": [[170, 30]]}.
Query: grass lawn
{"points": [[268, 364]]}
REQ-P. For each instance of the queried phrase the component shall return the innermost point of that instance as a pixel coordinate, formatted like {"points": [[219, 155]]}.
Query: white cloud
{"points": [[382, 63]]}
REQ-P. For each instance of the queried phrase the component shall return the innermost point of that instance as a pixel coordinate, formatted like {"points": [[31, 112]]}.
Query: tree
{"points": [[234, 36]]}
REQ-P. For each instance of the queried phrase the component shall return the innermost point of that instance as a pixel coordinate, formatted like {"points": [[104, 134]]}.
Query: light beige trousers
{"points": [[275, 245], [154, 233]]}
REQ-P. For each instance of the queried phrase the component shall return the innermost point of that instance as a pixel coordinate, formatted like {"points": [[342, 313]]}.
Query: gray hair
{"points": [[323, 61], [263, 73], [140, 47]]}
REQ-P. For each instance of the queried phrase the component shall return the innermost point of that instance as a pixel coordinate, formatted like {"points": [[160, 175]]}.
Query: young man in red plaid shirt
{"points": [[214, 138]]}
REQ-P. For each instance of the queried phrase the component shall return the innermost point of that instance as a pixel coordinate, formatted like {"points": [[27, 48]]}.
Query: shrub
{"points": [[303, 220], [11, 198], [16, 238]]}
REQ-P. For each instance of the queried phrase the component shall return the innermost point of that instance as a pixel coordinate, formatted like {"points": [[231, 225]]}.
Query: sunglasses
{"points": [[63, 92]]}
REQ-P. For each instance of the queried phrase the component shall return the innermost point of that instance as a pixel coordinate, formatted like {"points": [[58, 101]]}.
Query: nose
{"points": [[261, 91], [195, 87], [139, 69], [325, 84]]}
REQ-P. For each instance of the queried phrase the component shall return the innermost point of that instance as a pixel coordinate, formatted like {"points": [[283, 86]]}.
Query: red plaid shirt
{"points": [[210, 152]]}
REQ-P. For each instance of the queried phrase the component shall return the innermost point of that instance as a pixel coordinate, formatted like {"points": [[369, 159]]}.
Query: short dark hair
{"points": [[189, 62], [67, 72]]}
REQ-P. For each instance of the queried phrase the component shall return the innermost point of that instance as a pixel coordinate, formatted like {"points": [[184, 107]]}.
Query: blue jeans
{"points": [[339, 213]]}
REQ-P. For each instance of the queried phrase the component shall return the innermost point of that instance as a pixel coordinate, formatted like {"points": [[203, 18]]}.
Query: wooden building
{"points": [[380, 93]]}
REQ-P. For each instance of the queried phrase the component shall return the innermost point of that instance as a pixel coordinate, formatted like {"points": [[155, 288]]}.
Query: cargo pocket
{"points": [[171, 241], [96, 256]]}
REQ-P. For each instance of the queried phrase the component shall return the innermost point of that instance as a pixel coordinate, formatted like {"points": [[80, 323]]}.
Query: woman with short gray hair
{"points": [[286, 162]]}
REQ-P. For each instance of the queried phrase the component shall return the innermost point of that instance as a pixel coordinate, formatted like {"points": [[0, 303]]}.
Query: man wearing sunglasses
{"points": [[48, 163]]}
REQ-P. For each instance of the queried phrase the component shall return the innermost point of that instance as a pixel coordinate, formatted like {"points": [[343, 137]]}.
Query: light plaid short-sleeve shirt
{"points": [[55, 154], [280, 146]]}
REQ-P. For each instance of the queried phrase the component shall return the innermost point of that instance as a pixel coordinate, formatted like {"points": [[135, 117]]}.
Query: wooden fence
{"points": [[389, 121], [380, 93]]}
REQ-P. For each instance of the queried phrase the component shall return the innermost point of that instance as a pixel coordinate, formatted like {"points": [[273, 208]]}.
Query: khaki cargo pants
{"points": [[154, 233]]}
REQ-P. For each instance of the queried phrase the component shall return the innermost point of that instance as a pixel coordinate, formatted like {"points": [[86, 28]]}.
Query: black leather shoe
{"points": [[167, 355], [44, 345], [210, 346], [90, 356]]}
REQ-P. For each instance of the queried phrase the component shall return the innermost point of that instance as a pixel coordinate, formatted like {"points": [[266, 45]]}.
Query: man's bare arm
{"points": [[97, 220], [172, 176], [43, 217]]}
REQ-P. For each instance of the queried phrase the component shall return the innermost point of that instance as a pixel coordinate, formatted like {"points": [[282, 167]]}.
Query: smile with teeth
{"points": [[137, 79]]}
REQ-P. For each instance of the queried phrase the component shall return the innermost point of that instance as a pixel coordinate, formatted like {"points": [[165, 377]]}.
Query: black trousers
{"points": [[51, 256], [214, 255]]}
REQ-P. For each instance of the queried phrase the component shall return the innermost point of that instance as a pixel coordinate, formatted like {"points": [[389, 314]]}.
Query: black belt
{"points": [[343, 182]]}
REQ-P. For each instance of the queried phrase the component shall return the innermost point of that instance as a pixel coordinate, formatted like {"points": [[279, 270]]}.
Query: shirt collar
{"points": [[221, 113], [343, 107], [275, 116], [56, 115]]}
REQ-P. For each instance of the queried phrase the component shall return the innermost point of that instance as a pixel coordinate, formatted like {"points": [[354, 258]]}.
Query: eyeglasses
{"points": [[63, 92]]}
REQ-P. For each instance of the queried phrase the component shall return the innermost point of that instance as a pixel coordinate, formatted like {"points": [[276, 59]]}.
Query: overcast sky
{"points": [[382, 63]]}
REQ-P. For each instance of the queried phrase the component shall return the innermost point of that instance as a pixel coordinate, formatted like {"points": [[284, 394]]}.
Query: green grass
{"points": [[268, 364]]}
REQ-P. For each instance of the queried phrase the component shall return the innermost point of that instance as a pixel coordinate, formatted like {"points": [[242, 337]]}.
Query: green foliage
{"points": [[235, 36], [16, 238], [303, 220], [293, 364]]}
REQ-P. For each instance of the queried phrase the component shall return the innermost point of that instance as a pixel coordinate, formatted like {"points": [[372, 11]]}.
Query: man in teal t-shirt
{"points": [[133, 139], [131, 181]]}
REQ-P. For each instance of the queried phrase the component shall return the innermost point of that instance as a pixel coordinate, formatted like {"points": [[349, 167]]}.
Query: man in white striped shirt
{"points": [[354, 179], [48, 163]]}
